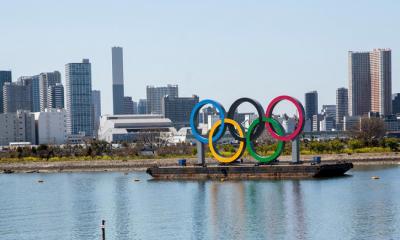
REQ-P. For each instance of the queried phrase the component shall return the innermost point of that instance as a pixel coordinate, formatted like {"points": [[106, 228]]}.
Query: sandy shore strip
{"points": [[143, 164]]}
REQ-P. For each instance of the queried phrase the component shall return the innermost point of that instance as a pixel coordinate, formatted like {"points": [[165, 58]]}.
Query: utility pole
{"points": [[103, 229]]}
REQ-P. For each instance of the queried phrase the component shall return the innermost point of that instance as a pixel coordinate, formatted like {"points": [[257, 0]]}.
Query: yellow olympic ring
{"points": [[241, 144]]}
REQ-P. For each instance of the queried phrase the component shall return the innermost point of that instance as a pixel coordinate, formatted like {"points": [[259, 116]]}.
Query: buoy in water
{"points": [[40, 181], [136, 180], [375, 177]]}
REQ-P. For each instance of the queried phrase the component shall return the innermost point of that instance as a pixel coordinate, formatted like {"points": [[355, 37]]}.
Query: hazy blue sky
{"points": [[216, 49]]}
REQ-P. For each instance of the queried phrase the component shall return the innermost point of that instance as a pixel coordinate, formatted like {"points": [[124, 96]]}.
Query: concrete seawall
{"points": [[143, 164]]}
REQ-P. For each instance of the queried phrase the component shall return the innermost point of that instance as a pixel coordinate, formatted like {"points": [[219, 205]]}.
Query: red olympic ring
{"points": [[300, 123]]}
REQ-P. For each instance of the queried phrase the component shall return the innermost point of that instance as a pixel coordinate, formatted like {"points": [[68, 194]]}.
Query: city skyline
{"points": [[61, 81], [245, 49]]}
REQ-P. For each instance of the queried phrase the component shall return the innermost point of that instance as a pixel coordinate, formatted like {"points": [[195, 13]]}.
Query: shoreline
{"points": [[358, 159]]}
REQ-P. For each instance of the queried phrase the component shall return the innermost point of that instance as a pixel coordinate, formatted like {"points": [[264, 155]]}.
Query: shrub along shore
{"points": [[126, 165], [100, 155]]}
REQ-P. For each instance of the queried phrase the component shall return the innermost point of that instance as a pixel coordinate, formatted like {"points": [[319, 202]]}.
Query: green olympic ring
{"points": [[281, 144]]}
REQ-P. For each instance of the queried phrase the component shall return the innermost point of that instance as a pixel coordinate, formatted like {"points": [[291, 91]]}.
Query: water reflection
{"points": [[71, 206], [375, 210], [299, 226], [122, 208], [199, 224], [83, 210]]}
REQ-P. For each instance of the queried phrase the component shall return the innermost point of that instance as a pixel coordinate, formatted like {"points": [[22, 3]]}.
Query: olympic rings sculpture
{"points": [[256, 128]]}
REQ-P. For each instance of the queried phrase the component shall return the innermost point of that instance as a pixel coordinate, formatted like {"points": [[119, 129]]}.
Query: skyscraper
{"points": [[5, 76], [155, 96], [142, 106], [33, 83], [342, 106], [118, 80], [55, 96], [128, 106], [359, 83], [47, 80], [96, 103], [370, 82], [16, 97], [311, 104], [381, 81], [78, 78], [396, 103], [178, 109]]}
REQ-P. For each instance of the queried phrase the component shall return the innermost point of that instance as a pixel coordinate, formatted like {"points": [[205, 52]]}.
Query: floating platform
{"points": [[251, 171]]}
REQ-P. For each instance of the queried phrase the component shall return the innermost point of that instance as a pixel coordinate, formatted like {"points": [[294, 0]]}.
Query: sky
{"points": [[220, 50]]}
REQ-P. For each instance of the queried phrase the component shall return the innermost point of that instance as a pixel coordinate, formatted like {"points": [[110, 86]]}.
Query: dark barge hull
{"points": [[251, 171]]}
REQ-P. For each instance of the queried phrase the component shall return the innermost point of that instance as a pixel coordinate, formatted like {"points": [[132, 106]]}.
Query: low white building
{"points": [[51, 126], [136, 127]]}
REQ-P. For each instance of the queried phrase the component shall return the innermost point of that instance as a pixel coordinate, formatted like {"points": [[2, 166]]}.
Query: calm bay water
{"points": [[72, 205]]}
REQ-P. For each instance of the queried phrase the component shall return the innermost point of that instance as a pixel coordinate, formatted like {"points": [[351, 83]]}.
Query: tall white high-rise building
{"points": [[381, 81], [47, 80]]}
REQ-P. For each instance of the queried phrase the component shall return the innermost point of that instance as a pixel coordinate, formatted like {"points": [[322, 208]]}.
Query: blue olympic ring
{"points": [[194, 115]]}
